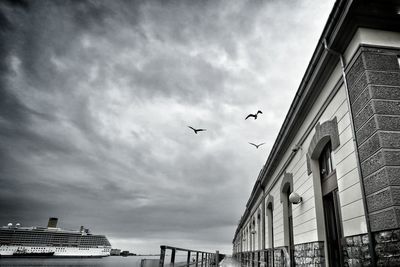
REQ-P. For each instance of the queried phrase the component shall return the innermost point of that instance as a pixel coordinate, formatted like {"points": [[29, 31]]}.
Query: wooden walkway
{"points": [[229, 262]]}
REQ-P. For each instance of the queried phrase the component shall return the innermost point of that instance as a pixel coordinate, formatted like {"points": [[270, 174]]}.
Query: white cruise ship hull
{"points": [[15, 251]]}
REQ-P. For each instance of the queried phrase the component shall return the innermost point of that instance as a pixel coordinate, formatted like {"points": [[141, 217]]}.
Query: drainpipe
{"points": [[343, 67]]}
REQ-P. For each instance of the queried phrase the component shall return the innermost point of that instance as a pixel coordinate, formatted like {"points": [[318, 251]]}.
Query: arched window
{"points": [[331, 206], [253, 235], [321, 163], [259, 230], [325, 161], [327, 170], [286, 190], [269, 212]]}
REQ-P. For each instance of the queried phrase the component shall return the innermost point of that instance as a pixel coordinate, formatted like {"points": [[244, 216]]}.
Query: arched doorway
{"points": [[253, 234], [259, 232], [321, 164], [286, 190], [269, 206], [270, 222], [330, 200]]}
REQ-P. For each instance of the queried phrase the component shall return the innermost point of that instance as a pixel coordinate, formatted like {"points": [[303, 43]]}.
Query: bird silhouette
{"points": [[197, 130], [257, 146], [254, 115]]}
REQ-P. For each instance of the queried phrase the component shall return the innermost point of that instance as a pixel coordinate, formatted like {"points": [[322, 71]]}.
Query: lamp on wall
{"points": [[294, 198], [253, 232]]}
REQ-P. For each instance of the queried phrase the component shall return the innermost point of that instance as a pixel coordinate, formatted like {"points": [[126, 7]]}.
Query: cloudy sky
{"points": [[96, 97]]}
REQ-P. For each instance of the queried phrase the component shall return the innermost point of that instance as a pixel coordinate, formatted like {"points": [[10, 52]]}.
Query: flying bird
{"points": [[197, 130], [254, 115], [256, 145]]}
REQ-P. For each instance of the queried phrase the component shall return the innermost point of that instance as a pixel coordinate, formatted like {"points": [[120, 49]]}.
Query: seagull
{"points": [[254, 115], [197, 130], [256, 145]]}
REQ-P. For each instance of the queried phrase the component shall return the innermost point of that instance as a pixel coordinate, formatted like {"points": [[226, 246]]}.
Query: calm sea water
{"points": [[132, 261]]}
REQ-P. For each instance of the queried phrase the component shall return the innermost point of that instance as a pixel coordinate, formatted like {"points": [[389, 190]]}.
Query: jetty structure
{"points": [[329, 192], [193, 258]]}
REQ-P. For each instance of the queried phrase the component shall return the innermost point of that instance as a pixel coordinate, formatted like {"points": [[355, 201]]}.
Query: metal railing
{"points": [[194, 257]]}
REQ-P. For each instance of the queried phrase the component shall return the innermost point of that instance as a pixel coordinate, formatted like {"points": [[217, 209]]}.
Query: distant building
{"points": [[329, 193], [127, 253], [115, 252]]}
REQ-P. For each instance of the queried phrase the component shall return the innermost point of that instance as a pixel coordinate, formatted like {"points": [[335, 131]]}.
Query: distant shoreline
{"points": [[137, 255]]}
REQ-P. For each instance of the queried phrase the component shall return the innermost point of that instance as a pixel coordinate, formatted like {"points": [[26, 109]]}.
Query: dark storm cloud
{"points": [[95, 101]]}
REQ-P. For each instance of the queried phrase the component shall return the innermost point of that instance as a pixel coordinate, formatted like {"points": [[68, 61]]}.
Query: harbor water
{"points": [[117, 261]]}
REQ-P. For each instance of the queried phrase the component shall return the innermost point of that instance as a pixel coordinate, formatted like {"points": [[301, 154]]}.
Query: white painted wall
{"points": [[352, 210]]}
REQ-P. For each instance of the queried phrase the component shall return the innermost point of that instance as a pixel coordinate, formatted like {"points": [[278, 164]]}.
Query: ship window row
{"points": [[62, 246], [54, 240], [28, 243], [53, 237]]}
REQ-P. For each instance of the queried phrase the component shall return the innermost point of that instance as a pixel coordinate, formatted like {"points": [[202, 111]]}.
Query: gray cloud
{"points": [[96, 98]]}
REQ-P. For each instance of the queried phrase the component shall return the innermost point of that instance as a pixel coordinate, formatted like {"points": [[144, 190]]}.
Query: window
{"points": [[325, 161]]}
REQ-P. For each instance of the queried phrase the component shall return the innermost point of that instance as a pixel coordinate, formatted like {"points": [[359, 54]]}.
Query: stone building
{"points": [[329, 192]]}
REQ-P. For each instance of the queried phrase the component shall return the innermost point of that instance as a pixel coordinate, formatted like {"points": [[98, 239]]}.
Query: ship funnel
{"points": [[52, 222]]}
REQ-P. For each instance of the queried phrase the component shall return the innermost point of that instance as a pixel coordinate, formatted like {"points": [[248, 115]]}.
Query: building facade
{"points": [[329, 192]]}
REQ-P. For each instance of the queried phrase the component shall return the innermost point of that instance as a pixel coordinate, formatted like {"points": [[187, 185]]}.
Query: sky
{"points": [[96, 98]]}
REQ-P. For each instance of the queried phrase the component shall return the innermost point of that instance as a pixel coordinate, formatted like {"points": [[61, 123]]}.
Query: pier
{"points": [[194, 258]]}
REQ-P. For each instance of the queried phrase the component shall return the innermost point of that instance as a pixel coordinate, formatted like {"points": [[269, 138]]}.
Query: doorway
{"points": [[290, 228], [331, 206]]}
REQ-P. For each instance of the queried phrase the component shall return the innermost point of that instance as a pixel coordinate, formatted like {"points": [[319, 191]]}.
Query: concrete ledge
{"points": [[372, 60], [369, 147], [386, 176], [381, 62], [386, 219], [380, 159], [367, 130], [379, 140], [379, 93], [356, 89], [356, 70], [374, 77], [385, 198], [363, 116], [385, 92]]}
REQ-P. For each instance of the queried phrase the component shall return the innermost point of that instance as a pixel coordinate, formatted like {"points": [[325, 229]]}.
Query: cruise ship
{"points": [[51, 241]]}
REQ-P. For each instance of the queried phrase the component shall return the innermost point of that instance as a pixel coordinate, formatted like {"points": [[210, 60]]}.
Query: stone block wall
{"points": [[269, 257], [356, 251], [255, 260], [262, 259], [310, 254], [281, 257], [374, 88], [388, 248]]}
